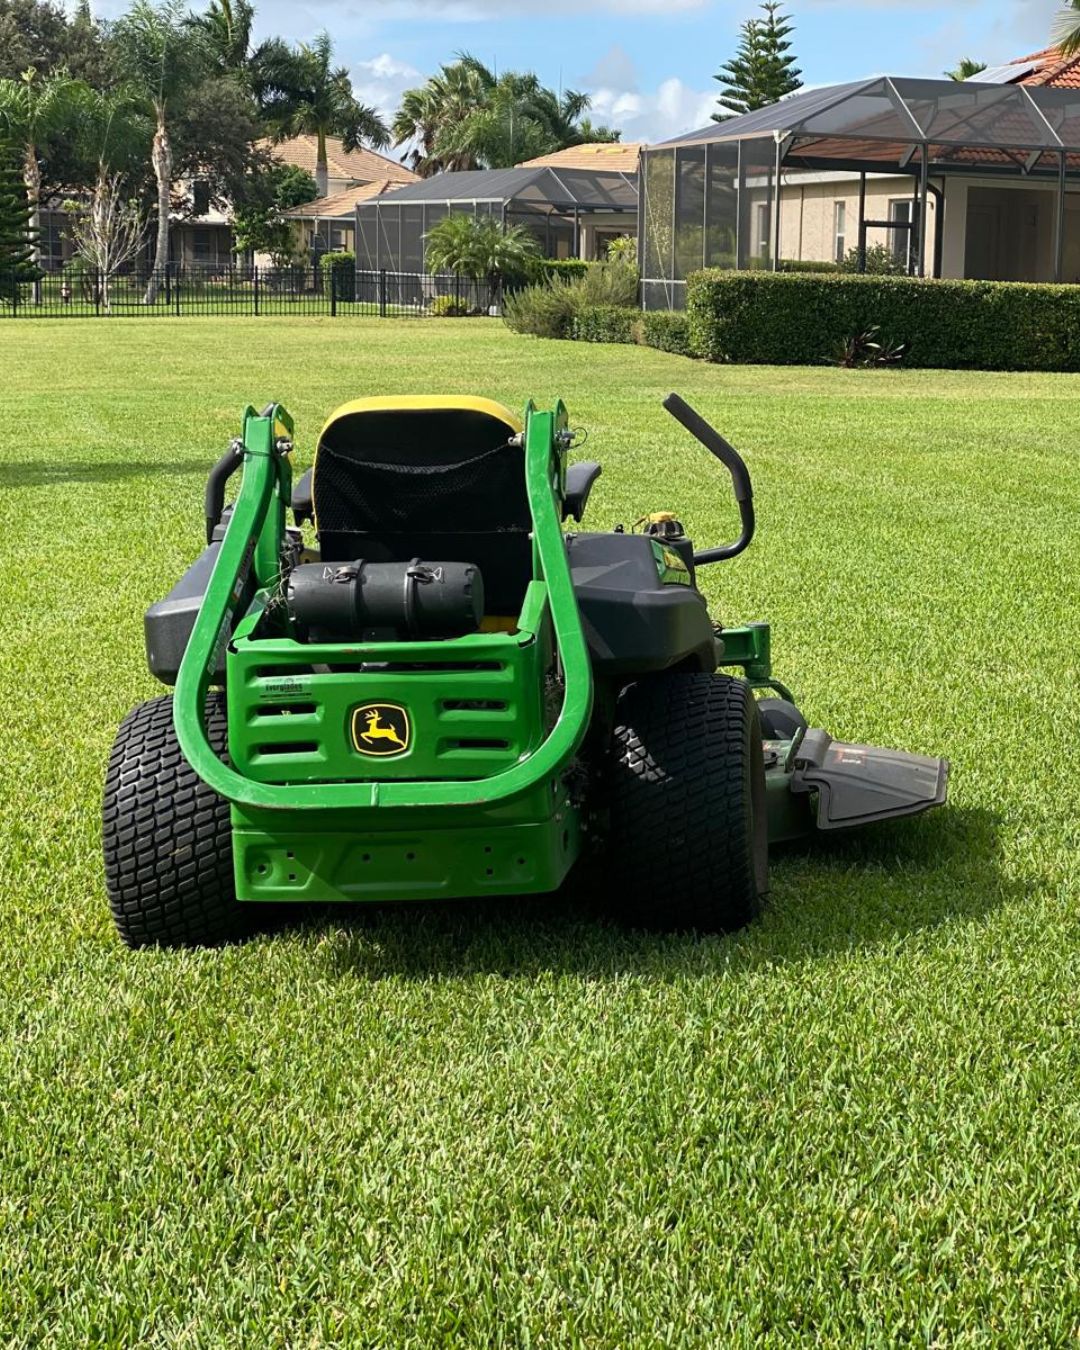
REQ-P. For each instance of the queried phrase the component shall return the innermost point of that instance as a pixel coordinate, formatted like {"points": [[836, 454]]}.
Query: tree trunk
{"points": [[322, 172], [32, 179], [161, 158]]}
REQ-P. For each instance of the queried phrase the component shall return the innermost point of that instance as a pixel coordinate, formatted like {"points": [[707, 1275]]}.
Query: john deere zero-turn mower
{"points": [[454, 695]]}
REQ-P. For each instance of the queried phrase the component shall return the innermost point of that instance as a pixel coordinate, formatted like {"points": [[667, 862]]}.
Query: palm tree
{"points": [[225, 30], [426, 114], [464, 118], [163, 60], [480, 248], [33, 110], [310, 97], [1065, 31], [965, 68]]}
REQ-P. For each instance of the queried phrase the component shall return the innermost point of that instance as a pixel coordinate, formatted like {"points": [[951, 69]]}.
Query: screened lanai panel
{"points": [[874, 113], [411, 255], [721, 204], [657, 228], [367, 229], [973, 114], [689, 211], [757, 166]]}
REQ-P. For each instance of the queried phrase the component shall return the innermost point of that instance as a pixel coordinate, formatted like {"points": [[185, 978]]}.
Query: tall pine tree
{"points": [[763, 70], [16, 238]]}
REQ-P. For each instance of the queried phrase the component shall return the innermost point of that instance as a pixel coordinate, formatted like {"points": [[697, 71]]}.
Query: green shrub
{"points": [[448, 307], [604, 323], [878, 262], [544, 310], [548, 308], [807, 265], [342, 259], [566, 268], [339, 269], [611, 283], [667, 331], [793, 319]]}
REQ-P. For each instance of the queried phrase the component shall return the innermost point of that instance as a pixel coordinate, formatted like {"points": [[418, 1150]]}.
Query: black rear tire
{"points": [[689, 829], [167, 838]]}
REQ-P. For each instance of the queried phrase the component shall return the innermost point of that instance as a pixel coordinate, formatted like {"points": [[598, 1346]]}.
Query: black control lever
{"points": [[220, 474], [711, 439]]}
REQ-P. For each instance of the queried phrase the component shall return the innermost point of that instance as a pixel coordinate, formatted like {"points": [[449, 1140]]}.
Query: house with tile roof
{"points": [[987, 169]]}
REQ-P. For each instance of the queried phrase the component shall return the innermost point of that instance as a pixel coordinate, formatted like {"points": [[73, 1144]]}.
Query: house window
{"points": [[839, 216], [762, 230], [51, 243], [200, 197], [202, 246], [903, 241]]}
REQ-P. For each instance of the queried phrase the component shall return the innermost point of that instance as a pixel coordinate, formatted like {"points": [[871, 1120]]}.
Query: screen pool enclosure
{"points": [[555, 205], [711, 199]]}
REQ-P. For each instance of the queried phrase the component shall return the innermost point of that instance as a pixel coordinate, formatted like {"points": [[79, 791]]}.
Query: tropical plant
{"points": [[224, 29], [163, 60], [34, 110], [1065, 31], [479, 247], [466, 118], [965, 68], [763, 70], [427, 114], [304, 94], [869, 349], [623, 249]]}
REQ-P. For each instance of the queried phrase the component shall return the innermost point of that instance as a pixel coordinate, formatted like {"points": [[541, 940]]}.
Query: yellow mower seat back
{"points": [[436, 478]]}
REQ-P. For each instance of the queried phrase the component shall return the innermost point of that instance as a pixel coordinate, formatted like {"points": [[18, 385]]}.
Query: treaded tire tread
{"points": [[688, 838], [167, 837]]}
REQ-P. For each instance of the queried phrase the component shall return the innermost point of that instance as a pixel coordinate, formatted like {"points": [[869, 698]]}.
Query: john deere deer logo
{"points": [[381, 729]]}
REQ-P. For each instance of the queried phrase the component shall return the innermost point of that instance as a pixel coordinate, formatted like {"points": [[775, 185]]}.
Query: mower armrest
{"points": [[579, 481], [302, 504]]}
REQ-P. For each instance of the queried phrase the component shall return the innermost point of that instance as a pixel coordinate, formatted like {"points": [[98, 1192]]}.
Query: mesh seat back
{"points": [[439, 484]]}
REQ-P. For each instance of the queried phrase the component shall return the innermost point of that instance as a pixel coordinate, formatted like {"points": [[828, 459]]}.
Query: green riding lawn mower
{"points": [[455, 695]]}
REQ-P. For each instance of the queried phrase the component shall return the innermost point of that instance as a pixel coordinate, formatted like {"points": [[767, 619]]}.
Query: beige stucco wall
{"points": [[807, 212]]}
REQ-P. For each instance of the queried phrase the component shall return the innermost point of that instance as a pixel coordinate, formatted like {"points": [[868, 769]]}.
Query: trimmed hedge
{"points": [[667, 331], [792, 319], [604, 323], [567, 268]]}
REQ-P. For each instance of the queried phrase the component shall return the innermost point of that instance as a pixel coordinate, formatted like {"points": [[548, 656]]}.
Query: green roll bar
{"points": [[252, 540]]}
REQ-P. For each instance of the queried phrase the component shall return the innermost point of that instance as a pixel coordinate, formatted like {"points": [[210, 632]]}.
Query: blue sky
{"points": [[648, 63]]}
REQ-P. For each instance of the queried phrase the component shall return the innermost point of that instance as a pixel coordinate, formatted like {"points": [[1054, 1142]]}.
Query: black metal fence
{"points": [[246, 291]]}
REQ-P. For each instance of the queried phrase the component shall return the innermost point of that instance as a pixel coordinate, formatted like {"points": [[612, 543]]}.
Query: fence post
{"points": [[382, 293], [333, 292], [176, 293], [255, 288], [97, 294]]}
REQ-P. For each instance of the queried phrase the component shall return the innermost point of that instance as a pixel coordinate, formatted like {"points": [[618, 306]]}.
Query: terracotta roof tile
{"points": [[358, 166], [612, 157], [342, 203], [1052, 71]]}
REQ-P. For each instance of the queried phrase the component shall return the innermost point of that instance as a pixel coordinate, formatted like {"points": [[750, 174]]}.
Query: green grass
{"points": [[855, 1123]]}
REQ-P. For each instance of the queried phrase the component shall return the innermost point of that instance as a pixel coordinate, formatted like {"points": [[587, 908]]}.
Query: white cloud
{"points": [[382, 81], [643, 114]]}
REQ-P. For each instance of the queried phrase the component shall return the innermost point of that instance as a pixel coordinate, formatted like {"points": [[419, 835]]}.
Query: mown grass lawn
{"points": [[857, 1122]]}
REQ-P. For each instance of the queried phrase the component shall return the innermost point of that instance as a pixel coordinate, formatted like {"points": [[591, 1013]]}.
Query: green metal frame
{"points": [[506, 822]]}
